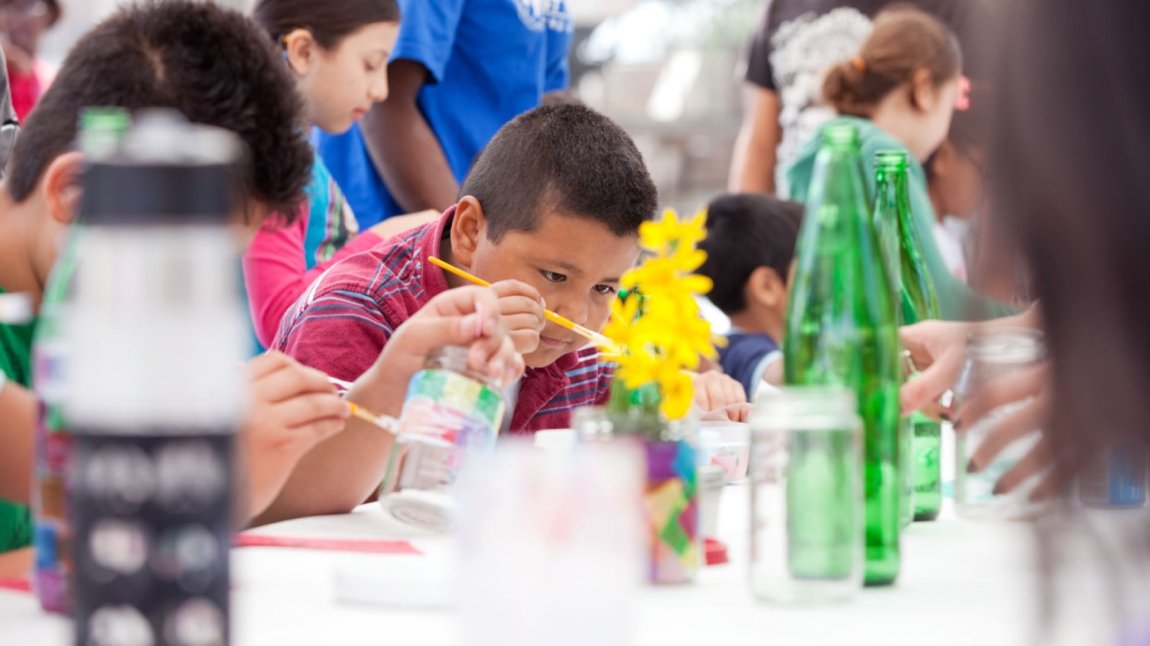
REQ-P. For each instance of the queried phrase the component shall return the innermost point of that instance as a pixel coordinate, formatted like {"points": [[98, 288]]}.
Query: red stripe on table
{"points": [[329, 544], [21, 584]]}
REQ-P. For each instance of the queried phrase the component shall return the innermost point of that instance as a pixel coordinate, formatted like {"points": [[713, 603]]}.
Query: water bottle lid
{"points": [[165, 171]]}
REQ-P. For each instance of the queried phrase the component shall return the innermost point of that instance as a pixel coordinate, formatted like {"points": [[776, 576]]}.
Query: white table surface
{"points": [[963, 582]]}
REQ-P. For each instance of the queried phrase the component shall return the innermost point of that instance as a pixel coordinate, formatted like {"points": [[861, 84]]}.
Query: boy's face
{"points": [[574, 262]]}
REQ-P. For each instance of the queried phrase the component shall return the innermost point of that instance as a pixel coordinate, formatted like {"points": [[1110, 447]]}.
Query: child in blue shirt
{"points": [[750, 245], [460, 70]]}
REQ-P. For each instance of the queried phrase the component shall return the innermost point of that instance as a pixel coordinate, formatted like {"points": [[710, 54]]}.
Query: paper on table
{"points": [[328, 544]]}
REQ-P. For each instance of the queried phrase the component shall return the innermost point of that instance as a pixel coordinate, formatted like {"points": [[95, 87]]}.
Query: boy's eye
{"points": [[606, 290], [553, 277]]}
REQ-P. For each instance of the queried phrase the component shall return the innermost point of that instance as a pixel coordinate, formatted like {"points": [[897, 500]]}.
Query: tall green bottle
{"points": [[890, 188], [919, 303], [841, 330]]}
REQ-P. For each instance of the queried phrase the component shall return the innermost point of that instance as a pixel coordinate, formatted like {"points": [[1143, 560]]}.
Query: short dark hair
{"points": [[744, 232], [567, 158], [328, 21], [210, 63]]}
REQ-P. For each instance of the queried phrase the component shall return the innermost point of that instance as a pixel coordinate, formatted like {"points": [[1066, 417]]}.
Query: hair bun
{"points": [[841, 86]]}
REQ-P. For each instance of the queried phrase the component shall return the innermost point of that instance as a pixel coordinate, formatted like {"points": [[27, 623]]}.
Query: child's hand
{"points": [[466, 316], [522, 310], [714, 390], [1029, 390], [938, 349], [293, 408], [734, 413]]}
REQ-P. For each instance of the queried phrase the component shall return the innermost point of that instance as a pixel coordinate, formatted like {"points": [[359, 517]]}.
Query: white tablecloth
{"points": [[963, 582]]}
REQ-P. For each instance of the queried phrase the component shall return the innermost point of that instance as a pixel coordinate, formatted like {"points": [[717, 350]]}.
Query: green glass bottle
{"points": [[919, 303], [841, 330], [890, 180]]}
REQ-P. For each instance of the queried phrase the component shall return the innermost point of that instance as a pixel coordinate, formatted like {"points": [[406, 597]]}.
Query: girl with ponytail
{"points": [[900, 90]]}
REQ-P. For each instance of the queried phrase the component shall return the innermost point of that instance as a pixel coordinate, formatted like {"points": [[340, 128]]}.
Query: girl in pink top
{"points": [[338, 52]]}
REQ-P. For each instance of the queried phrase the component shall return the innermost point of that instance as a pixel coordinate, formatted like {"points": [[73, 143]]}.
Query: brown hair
{"points": [[904, 40], [328, 21]]}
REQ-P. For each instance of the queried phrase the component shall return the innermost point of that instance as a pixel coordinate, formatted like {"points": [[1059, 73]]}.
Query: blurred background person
{"points": [[1069, 155], [797, 41], [460, 70], [22, 23], [956, 183], [337, 54], [899, 90]]}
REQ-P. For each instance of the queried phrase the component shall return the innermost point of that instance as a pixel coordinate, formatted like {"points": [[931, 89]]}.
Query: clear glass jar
{"points": [[807, 512], [450, 411], [992, 354]]}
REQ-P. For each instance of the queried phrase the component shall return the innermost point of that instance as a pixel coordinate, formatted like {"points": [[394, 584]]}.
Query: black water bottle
{"points": [[155, 393]]}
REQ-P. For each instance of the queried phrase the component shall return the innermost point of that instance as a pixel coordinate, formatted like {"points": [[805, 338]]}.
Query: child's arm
{"points": [[18, 439], [293, 408], [406, 151], [343, 471], [276, 273]]}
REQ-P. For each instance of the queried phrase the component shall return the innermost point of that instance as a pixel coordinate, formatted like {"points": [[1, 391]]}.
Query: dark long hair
{"points": [[329, 21], [1072, 171], [1071, 167]]}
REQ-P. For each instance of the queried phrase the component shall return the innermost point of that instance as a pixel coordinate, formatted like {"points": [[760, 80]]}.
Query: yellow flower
{"points": [[669, 334], [620, 328], [678, 391], [682, 331], [668, 233], [638, 368], [662, 275]]}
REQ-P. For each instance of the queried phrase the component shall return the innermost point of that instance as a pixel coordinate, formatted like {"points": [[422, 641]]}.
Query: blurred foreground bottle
{"points": [[841, 331], [155, 336], [99, 134]]}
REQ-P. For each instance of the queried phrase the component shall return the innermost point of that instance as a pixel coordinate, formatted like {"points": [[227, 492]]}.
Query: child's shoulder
{"points": [[390, 267], [742, 342]]}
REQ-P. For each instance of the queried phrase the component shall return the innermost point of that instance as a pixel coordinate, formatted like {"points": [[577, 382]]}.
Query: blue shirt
{"points": [[745, 358], [487, 62]]}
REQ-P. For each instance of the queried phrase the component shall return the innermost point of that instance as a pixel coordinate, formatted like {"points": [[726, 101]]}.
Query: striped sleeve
{"points": [[339, 330]]}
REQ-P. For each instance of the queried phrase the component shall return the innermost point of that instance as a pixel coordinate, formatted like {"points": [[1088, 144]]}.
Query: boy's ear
{"points": [[299, 48], [61, 186], [467, 228], [766, 288]]}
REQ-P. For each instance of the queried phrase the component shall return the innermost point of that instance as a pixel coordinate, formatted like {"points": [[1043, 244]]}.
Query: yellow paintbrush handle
{"points": [[557, 319], [452, 269], [382, 421]]}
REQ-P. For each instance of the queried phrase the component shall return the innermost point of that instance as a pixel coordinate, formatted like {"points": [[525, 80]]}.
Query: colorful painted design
{"points": [[671, 501], [445, 406], [52, 531]]}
